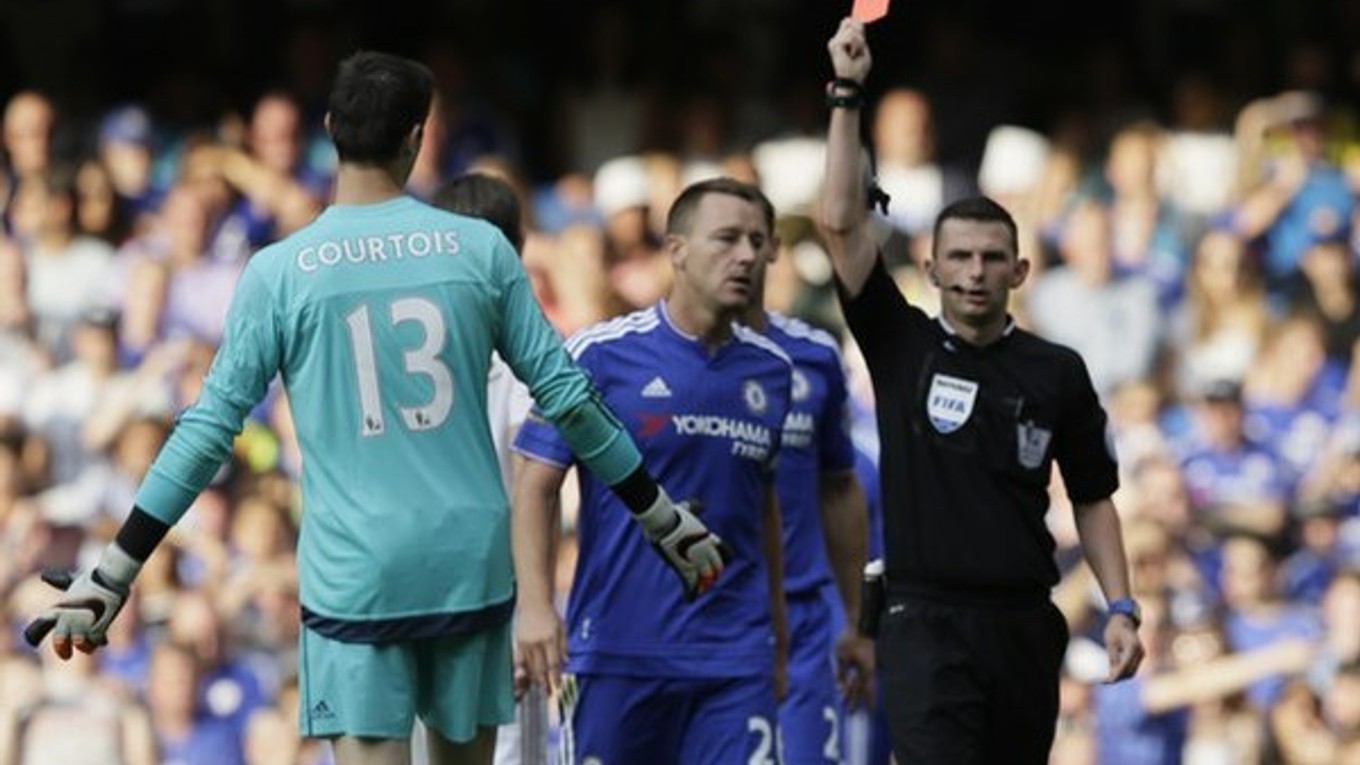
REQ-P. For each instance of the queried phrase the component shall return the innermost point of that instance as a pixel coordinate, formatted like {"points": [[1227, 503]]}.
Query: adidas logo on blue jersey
{"points": [[321, 711], [657, 388]]}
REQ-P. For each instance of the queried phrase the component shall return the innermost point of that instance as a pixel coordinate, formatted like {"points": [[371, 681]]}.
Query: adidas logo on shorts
{"points": [[321, 711]]}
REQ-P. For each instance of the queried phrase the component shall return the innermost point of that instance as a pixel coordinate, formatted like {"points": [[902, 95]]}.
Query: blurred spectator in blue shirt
{"points": [[185, 734], [127, 147], [1111, 319], [1146, 227], [1304, 196], [1234, 483], [1256, 614]]}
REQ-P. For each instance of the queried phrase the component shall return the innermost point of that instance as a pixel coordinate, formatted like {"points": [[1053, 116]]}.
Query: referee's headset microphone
{"points": [[934, 278]]}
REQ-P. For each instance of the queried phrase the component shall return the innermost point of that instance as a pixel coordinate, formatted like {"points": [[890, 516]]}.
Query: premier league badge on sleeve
{"points": [[950, 402], [1032, 443]]}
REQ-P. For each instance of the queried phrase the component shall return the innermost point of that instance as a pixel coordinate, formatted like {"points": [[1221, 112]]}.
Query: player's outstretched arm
{"points": [[80, 619], [693, 552], [844, 213], [246, 361], [591, 434], [565, 397], [540, 637]]}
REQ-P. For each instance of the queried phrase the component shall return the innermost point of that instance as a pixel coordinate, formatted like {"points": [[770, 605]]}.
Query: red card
{"points": [[868, 11]]}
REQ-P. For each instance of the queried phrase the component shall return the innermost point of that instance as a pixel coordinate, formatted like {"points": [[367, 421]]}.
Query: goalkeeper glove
{"points": [[693, 552], [91, 602]]}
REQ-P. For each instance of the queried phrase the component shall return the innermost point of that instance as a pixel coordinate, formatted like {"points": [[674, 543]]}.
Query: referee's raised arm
{"points": [[844, 215]]}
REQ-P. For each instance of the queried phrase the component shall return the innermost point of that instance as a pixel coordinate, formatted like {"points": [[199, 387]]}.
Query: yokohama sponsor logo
{"points": [[721, 427], [799, 428]]}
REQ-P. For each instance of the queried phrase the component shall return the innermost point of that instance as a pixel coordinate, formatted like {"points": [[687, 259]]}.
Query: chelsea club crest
{"points": [[754, 396]]}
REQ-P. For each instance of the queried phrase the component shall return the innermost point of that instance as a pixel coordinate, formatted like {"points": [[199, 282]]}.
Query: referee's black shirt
{"points": [[968, 438]]}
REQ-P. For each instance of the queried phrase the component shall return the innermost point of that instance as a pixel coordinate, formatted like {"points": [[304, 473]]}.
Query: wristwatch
{"points": [[1128, 607]]}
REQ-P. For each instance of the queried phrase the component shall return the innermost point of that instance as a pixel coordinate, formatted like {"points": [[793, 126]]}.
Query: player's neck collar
{"points": [[954, 333], [664, 312]]}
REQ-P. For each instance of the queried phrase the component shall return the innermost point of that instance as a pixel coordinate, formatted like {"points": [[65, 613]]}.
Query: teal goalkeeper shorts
{"points": [[453, 684]]}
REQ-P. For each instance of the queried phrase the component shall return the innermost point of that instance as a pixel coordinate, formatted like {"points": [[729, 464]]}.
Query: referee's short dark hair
{"points": [[979, 208]]}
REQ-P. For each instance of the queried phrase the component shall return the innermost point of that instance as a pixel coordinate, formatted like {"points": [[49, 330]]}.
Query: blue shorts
{"points": [[455, 685], [668, 721], [811, 714]]}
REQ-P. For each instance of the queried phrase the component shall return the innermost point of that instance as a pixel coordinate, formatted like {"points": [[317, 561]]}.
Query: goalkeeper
{"points": [[654, 680], [381, 318]]}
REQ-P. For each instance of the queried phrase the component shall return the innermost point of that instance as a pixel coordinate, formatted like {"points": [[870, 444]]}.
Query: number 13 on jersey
{"points": [[423, 360]]}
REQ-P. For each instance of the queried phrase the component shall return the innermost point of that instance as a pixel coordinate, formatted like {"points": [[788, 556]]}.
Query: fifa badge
{"points": [[950, 402]]}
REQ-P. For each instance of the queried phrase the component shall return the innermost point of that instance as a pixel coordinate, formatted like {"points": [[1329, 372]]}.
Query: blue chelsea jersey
{"points": [[816, 440], [708, 423]]}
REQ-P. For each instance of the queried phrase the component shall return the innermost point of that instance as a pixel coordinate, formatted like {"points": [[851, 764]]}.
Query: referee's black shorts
{"points": [[971, 684]]}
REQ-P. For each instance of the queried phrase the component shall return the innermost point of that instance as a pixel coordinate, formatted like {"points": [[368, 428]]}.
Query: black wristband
{"points": [[140, 534], [637, 490], [844, 93]]}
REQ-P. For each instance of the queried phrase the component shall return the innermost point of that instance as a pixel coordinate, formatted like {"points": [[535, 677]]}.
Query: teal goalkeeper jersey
{"points": [[382, 320]]}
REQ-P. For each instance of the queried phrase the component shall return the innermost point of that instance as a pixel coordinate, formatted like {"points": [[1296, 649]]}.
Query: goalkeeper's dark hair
{"points": [[376, 101]]}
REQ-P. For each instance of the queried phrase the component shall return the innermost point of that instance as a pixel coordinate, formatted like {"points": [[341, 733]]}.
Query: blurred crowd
{"points": [[1202, 259]]}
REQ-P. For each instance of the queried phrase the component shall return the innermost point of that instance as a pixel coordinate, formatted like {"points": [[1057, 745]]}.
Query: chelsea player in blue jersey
{"points": [[381, 318], [826, 535], [655, 679]]}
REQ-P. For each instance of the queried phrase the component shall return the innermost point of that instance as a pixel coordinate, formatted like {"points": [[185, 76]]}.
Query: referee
{"points": [[972, 413]]}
